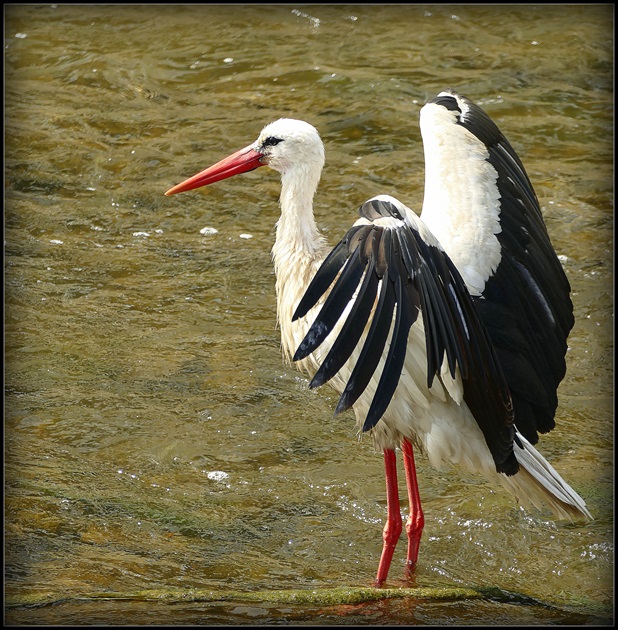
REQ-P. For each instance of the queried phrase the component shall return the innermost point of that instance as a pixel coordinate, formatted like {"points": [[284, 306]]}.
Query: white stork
{"points": [[474, 297]]}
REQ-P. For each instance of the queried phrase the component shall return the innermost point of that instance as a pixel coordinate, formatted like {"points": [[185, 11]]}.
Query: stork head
{"points": [[288, 143], [285, 145]]}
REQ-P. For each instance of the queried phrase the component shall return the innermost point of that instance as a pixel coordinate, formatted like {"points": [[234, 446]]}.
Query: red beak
{"points": [[242, 161]]}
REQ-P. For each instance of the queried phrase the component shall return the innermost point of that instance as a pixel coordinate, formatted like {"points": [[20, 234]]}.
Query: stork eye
{"points": [[271, 141]]}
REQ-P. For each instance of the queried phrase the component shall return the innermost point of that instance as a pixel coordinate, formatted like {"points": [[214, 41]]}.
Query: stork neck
{"points": [[298, 250], [296, 229]]}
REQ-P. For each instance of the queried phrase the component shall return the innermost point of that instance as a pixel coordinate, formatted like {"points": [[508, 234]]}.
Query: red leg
{"points": [[392, 529], [416, 520]]}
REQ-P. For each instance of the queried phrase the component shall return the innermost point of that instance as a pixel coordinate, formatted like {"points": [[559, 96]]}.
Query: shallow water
{"points": [[154, 438]]}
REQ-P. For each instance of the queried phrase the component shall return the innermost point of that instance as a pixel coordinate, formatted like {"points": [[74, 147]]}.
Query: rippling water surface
{"points": [[153, 438]]}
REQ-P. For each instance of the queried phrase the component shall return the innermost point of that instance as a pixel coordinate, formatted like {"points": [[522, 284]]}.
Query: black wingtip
{"points": [[345, 402], [370, 421], [317, 381], [312, 340]]}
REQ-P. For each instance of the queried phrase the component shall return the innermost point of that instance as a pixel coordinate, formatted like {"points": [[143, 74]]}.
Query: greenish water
{"points": [[154, 438]]}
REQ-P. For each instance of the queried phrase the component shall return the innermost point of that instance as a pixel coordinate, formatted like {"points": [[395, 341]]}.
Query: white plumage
{"points": [[471, 196], [446, 331]]}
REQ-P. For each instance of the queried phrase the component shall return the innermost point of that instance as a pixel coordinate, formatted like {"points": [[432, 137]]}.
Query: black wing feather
{"points": [[328, 272], [335, 303], [389, 379], [352, 330], [372, 348]]}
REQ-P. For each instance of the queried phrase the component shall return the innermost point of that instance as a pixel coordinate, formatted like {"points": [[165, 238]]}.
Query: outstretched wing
{"points": [[392, 268], [524, 303]]}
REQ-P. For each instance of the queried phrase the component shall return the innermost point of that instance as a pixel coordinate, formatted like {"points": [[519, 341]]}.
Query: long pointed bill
{"points": [[242, 161]]}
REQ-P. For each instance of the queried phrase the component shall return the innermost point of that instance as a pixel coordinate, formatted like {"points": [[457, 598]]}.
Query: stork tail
{"points": [[538, 483]]}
